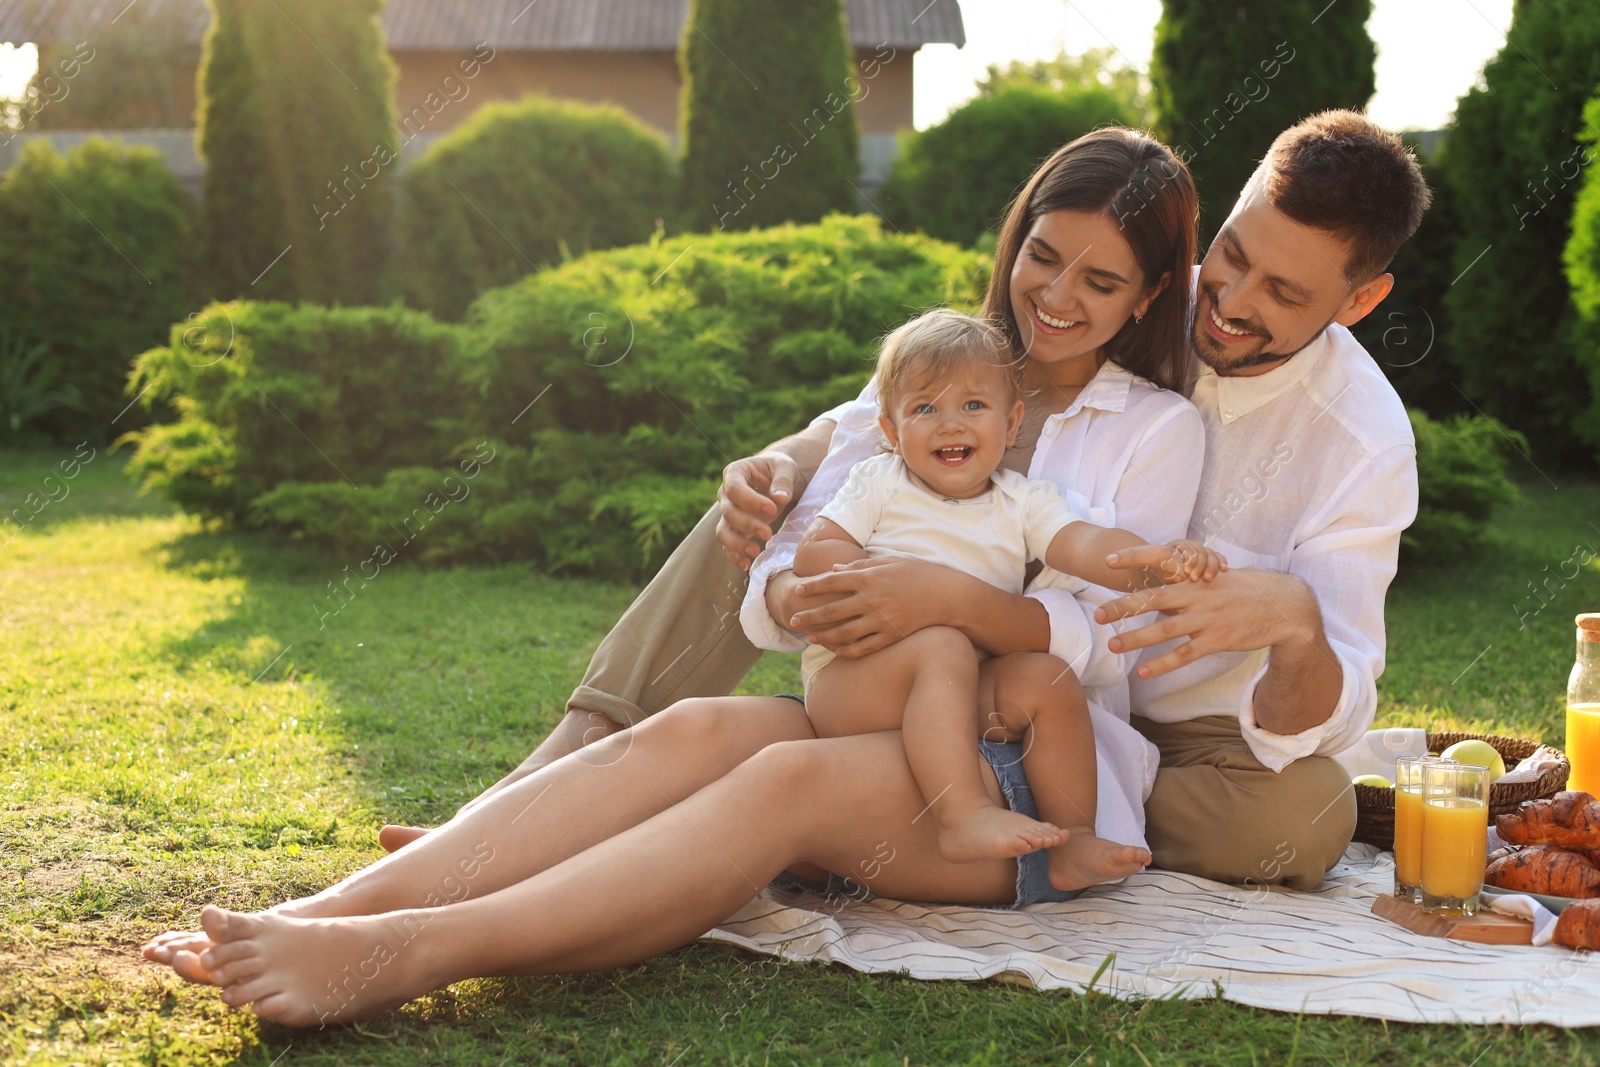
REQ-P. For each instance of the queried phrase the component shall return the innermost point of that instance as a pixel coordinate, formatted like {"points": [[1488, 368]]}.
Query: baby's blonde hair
{"points": [[936, 345]]}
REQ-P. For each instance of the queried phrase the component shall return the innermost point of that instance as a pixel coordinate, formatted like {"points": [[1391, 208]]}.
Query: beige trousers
{"points": [[680, 638], [1218, 812]]}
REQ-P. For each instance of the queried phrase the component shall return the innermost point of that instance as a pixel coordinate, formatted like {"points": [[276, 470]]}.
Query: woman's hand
{"points": [[754, 492], [872, 603]]}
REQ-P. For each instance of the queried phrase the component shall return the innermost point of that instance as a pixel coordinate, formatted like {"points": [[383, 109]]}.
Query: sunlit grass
{"points": [[185, 721]]}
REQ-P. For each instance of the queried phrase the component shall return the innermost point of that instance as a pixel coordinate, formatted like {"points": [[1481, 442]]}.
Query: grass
{"points": [[183, 723]]}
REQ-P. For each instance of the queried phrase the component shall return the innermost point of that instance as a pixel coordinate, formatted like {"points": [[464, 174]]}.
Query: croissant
{"points": [[1570, 819], [1579, 925], [1545, 869]]}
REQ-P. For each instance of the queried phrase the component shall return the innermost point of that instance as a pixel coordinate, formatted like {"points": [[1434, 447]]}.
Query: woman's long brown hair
{"points": [[1139, 184]]}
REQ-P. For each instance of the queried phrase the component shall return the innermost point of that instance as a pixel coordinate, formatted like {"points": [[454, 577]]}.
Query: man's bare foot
{"points": [[989, 832], [394, 838], [312, 972], [1086, 860]]}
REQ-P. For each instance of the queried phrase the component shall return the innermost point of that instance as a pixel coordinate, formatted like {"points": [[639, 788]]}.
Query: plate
{"points": [[1555, 904]]}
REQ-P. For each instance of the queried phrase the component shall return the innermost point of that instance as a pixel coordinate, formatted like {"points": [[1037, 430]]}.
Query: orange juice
{"points": [[1455, 834], [1408, 835], [1583, 746]]}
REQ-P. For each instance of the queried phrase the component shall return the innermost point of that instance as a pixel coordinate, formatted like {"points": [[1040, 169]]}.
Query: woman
{"points": [[647, 839]]}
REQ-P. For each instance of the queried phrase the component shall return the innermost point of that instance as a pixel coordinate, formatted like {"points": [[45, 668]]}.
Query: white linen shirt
{"points": [[1310, 470]]}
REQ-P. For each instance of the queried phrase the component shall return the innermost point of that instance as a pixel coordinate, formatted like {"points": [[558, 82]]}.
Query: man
{"points": [[1249, 683]]}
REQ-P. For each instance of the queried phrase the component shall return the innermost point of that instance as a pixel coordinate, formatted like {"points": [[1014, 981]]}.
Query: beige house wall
{"points": [[435, 95]]}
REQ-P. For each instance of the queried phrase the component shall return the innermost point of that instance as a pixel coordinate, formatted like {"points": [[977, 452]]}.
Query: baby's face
{"points": [[952, 432]]}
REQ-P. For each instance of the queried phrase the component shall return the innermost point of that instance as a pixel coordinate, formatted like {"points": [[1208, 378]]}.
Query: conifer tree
{"points": [[296, 130], [768, 119], [1226, 78]]}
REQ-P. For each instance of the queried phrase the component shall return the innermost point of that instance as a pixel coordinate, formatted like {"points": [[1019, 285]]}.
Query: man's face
{"points": [[1269, 286]]}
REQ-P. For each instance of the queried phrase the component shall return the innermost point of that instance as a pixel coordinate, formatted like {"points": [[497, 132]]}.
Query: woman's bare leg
{"points": [[850, 805], [551, 815], [927, 684], [1035, 696]]}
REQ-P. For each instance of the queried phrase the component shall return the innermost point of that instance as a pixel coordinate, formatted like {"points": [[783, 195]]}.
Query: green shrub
{"points": [[300, 149], [1228, 78], [1461, 471], [267, 393], [93, 267], [523, 185], [954, 180], [611, 392], [1582, 258], [769, 125], [1515, 159]]}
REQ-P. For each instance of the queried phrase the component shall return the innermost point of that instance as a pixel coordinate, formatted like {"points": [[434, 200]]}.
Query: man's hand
{"points": [[754, 492], [1238, 611]]}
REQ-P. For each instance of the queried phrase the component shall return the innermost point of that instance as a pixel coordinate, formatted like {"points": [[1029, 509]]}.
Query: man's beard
{"points": [[1209, 352]]}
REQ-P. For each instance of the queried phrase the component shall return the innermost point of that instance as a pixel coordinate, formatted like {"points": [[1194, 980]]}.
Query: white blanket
{"points": [[1171, 935]]}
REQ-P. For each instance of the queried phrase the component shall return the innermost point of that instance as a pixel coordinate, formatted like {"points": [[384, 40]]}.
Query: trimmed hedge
{"points": [[610, 391], [954, 180], [268, 393], [521, 185], [93, 267]]}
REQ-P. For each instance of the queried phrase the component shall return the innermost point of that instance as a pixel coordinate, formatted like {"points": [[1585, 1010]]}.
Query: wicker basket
{"points": [[1375, 806]]}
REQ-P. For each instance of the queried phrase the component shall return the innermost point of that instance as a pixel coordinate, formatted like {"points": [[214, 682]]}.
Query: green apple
{"points": [[1479, 754], [1374, 780]]}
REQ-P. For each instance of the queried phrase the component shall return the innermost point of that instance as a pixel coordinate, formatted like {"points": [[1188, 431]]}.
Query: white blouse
{"points": [[1125, 453]]}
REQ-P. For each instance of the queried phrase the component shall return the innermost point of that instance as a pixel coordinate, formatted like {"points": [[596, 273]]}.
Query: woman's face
{"points": [[1074, 285]]}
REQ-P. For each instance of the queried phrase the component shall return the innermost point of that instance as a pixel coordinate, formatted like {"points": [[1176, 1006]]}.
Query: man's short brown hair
{"points": [[1340, 173]]}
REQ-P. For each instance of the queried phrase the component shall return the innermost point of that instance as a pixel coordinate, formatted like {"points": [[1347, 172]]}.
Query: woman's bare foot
{"points": [[990, 832], [312, 972], [164, 949], [1086, 860], [394, 838]]}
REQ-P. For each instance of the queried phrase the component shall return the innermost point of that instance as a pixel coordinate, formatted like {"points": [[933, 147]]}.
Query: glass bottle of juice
{"points": [[1583, 708]]}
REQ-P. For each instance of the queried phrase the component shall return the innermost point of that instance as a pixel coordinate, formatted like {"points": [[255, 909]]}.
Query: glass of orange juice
{"points": [[1408, 825], [1455, 835]]}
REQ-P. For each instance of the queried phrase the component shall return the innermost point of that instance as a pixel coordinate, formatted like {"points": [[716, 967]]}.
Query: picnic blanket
{"points": [[1161, 934]]}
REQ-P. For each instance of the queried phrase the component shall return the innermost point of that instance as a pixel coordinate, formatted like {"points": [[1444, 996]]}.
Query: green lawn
{"points": [[183, 723]]}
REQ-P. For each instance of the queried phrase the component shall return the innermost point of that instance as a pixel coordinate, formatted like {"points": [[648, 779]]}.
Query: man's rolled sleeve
{"points": [[1348, 564]]}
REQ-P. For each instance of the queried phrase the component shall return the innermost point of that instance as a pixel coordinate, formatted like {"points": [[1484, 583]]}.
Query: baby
{"points": [[950, 396]]}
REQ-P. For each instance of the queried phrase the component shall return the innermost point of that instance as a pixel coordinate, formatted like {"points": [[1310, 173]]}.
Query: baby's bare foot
{"points": [[394, 838], [312, 972], [1086, 860], [989, 832]]}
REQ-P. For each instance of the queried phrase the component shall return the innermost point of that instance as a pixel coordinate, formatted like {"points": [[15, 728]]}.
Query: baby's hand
{"points": [[1190, 561]]}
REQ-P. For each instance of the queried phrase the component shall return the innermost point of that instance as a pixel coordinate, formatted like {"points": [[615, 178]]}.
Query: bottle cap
{"points": [[1589, 625]]}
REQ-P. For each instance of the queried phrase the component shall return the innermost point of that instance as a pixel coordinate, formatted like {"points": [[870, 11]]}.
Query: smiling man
{"points": [[1250, 683]]}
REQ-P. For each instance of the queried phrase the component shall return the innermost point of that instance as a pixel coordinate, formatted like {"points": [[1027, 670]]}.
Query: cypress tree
{"points": [[1515, 158], [1583, 272], [296, 121], [1228, 77], [768, 118]]}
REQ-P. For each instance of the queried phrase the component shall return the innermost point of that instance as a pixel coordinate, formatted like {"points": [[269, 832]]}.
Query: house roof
{"points": [[515, 25]]}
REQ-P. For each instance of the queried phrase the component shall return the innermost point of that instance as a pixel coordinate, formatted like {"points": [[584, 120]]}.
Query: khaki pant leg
{"points": [[681, 638], [1217, 812]]}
